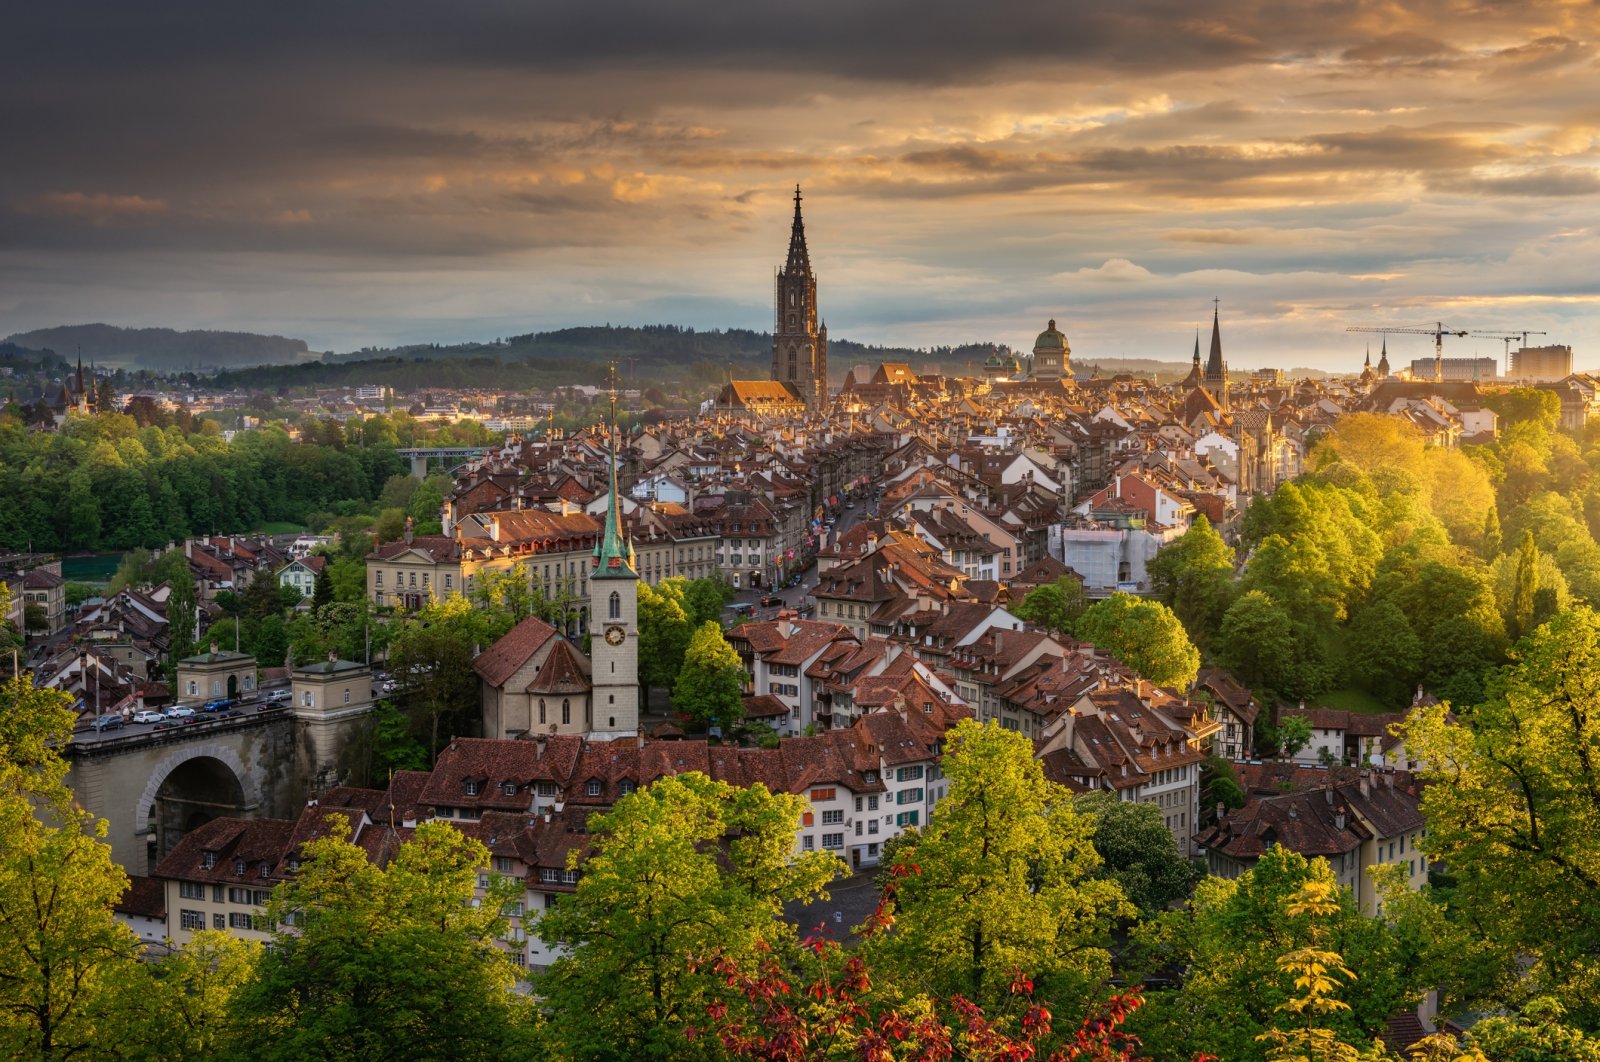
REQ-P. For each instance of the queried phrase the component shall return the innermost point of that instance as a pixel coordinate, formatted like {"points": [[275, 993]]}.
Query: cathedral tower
{"points": [[799, 342], [614, 624]]}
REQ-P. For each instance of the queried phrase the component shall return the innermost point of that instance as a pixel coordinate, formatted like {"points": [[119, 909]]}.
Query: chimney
{"points": [[1366, 782], [1388, 778], [1222, 813], [539, 746], [1293, 812], [213, 648], [1338, 820]]}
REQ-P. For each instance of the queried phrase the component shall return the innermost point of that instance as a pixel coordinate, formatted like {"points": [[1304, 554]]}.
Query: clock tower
{"points": [[614, 624]]}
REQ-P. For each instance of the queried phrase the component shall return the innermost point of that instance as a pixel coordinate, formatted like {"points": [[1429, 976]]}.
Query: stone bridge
{"points": [[154, 785]]}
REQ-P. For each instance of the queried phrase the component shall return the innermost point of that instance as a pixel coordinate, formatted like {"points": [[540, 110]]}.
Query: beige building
{"points": [[216, 674]]}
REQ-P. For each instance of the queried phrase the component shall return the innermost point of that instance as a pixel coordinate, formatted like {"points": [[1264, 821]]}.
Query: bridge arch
{"points": [[192, 785]]}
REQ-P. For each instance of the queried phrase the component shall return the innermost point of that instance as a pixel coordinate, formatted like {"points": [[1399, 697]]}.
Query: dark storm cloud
{"points": [[565, 161]]}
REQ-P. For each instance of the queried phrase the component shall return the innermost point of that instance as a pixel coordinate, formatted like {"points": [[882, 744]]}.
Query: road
{"points": [[850, 900], [796, 596]]}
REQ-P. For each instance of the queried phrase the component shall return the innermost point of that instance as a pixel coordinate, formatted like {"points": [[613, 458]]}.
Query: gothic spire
{"points": [[1197, 350], [1214, 367], [799, 263], [613, 554]]}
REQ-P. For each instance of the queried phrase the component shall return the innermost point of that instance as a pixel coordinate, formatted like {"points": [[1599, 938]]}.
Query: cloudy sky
{"points": [[365, 174]]}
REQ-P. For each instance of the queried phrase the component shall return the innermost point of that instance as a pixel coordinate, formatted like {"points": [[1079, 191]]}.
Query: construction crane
{"points": [[1506, 339], [1438, 332]]}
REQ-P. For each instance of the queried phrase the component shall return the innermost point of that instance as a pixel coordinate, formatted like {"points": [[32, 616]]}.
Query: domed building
{"points": [[1001, 365], [1052, 356]]}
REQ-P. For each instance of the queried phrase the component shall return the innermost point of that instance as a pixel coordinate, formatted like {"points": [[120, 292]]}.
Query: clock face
{"points": [[615, 635]]}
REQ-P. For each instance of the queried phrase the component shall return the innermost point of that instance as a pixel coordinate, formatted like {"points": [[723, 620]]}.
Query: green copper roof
{"points": [[613, 555]]}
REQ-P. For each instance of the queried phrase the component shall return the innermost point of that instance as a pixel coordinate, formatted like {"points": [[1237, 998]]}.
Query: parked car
{"points": [[180, 711], [283, 696], [147, 716], [218, 705], [107, 722], [770, 600]]}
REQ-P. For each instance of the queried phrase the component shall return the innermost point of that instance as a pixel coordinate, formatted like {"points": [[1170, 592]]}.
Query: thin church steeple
{"points": [[613, 554], [799, 263]]}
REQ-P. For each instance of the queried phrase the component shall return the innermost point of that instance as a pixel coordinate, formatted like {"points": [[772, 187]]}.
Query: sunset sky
{"points": [[378, 173]]}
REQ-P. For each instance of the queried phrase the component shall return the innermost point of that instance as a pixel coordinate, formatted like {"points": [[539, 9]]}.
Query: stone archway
{"points": [[189, 788]]}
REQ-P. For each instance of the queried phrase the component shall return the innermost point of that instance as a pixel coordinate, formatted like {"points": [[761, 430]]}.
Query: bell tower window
{"points": [[615, 605]]}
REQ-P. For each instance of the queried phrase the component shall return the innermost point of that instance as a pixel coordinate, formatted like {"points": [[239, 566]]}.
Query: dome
{"points": [[1050, 339], [995, 360]]}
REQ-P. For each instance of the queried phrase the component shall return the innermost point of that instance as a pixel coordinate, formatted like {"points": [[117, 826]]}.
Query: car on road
{"points": [[147, 716], [219, 705], [107, 722], [283, 696], [770, 600], [180, 711]]}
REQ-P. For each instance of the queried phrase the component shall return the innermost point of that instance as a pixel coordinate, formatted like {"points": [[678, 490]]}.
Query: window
{"points": [[413, 578], [541, 709], [208, 859], [569, 877], [547, 789], [472, 787], [593, 788], [191, 890], [909, 796], [833, 840], [483, 880], [191, 920], [858, 804], [906, 818], [833, 817], [808, 842], [822, 794], [380, 579], [347, 695], [872, 803], [508, 789], [614, 606], [627, 786], [219, 921], [872, 826], [194, 688], [447, 583], [240, 920], [566, 712], [308, 699], [504, 864], [908, 774], [549, 876], [264, 869], [240, 896]]}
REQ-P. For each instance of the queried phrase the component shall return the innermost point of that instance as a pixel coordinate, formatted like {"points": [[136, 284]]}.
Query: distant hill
{"points": [[740, 350], [163, 348]]}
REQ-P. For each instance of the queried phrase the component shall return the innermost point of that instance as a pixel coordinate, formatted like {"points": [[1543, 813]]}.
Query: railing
{"points": [[172, 729]]}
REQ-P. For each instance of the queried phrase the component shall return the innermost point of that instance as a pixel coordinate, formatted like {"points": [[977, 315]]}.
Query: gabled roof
{"points": [[514, 649]]}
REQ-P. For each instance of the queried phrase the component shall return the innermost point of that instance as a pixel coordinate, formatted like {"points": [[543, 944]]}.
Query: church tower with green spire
{"points": [[614, 622]]}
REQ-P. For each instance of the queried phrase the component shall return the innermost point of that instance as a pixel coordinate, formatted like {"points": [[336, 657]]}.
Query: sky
{"points": [[367, 174]]}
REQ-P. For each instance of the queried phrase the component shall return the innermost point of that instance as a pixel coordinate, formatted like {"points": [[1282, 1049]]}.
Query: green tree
{"points": [[322, 589], [1143, 634], [1294, 734], [432, 658], [193, 991], [1055, 606], [703, 599], [1490, 539], [1512, 808], [1137, 851], [683, 871], [1525, 589], [1194, 576], [1231, 941], [664, 634], [182, 618], [396, 962], [1383, 653], [1006, 879], [66, 955], [710, 686]]}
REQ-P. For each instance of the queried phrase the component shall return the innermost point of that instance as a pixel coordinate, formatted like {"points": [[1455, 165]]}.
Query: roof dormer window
{"points": [[509, 789], [627, 786], [238, 866], [208, 859], [594, 787], [472, 787]]}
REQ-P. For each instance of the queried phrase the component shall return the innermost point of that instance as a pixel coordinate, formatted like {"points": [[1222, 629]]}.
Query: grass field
{"points": [[1352, 700]]}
